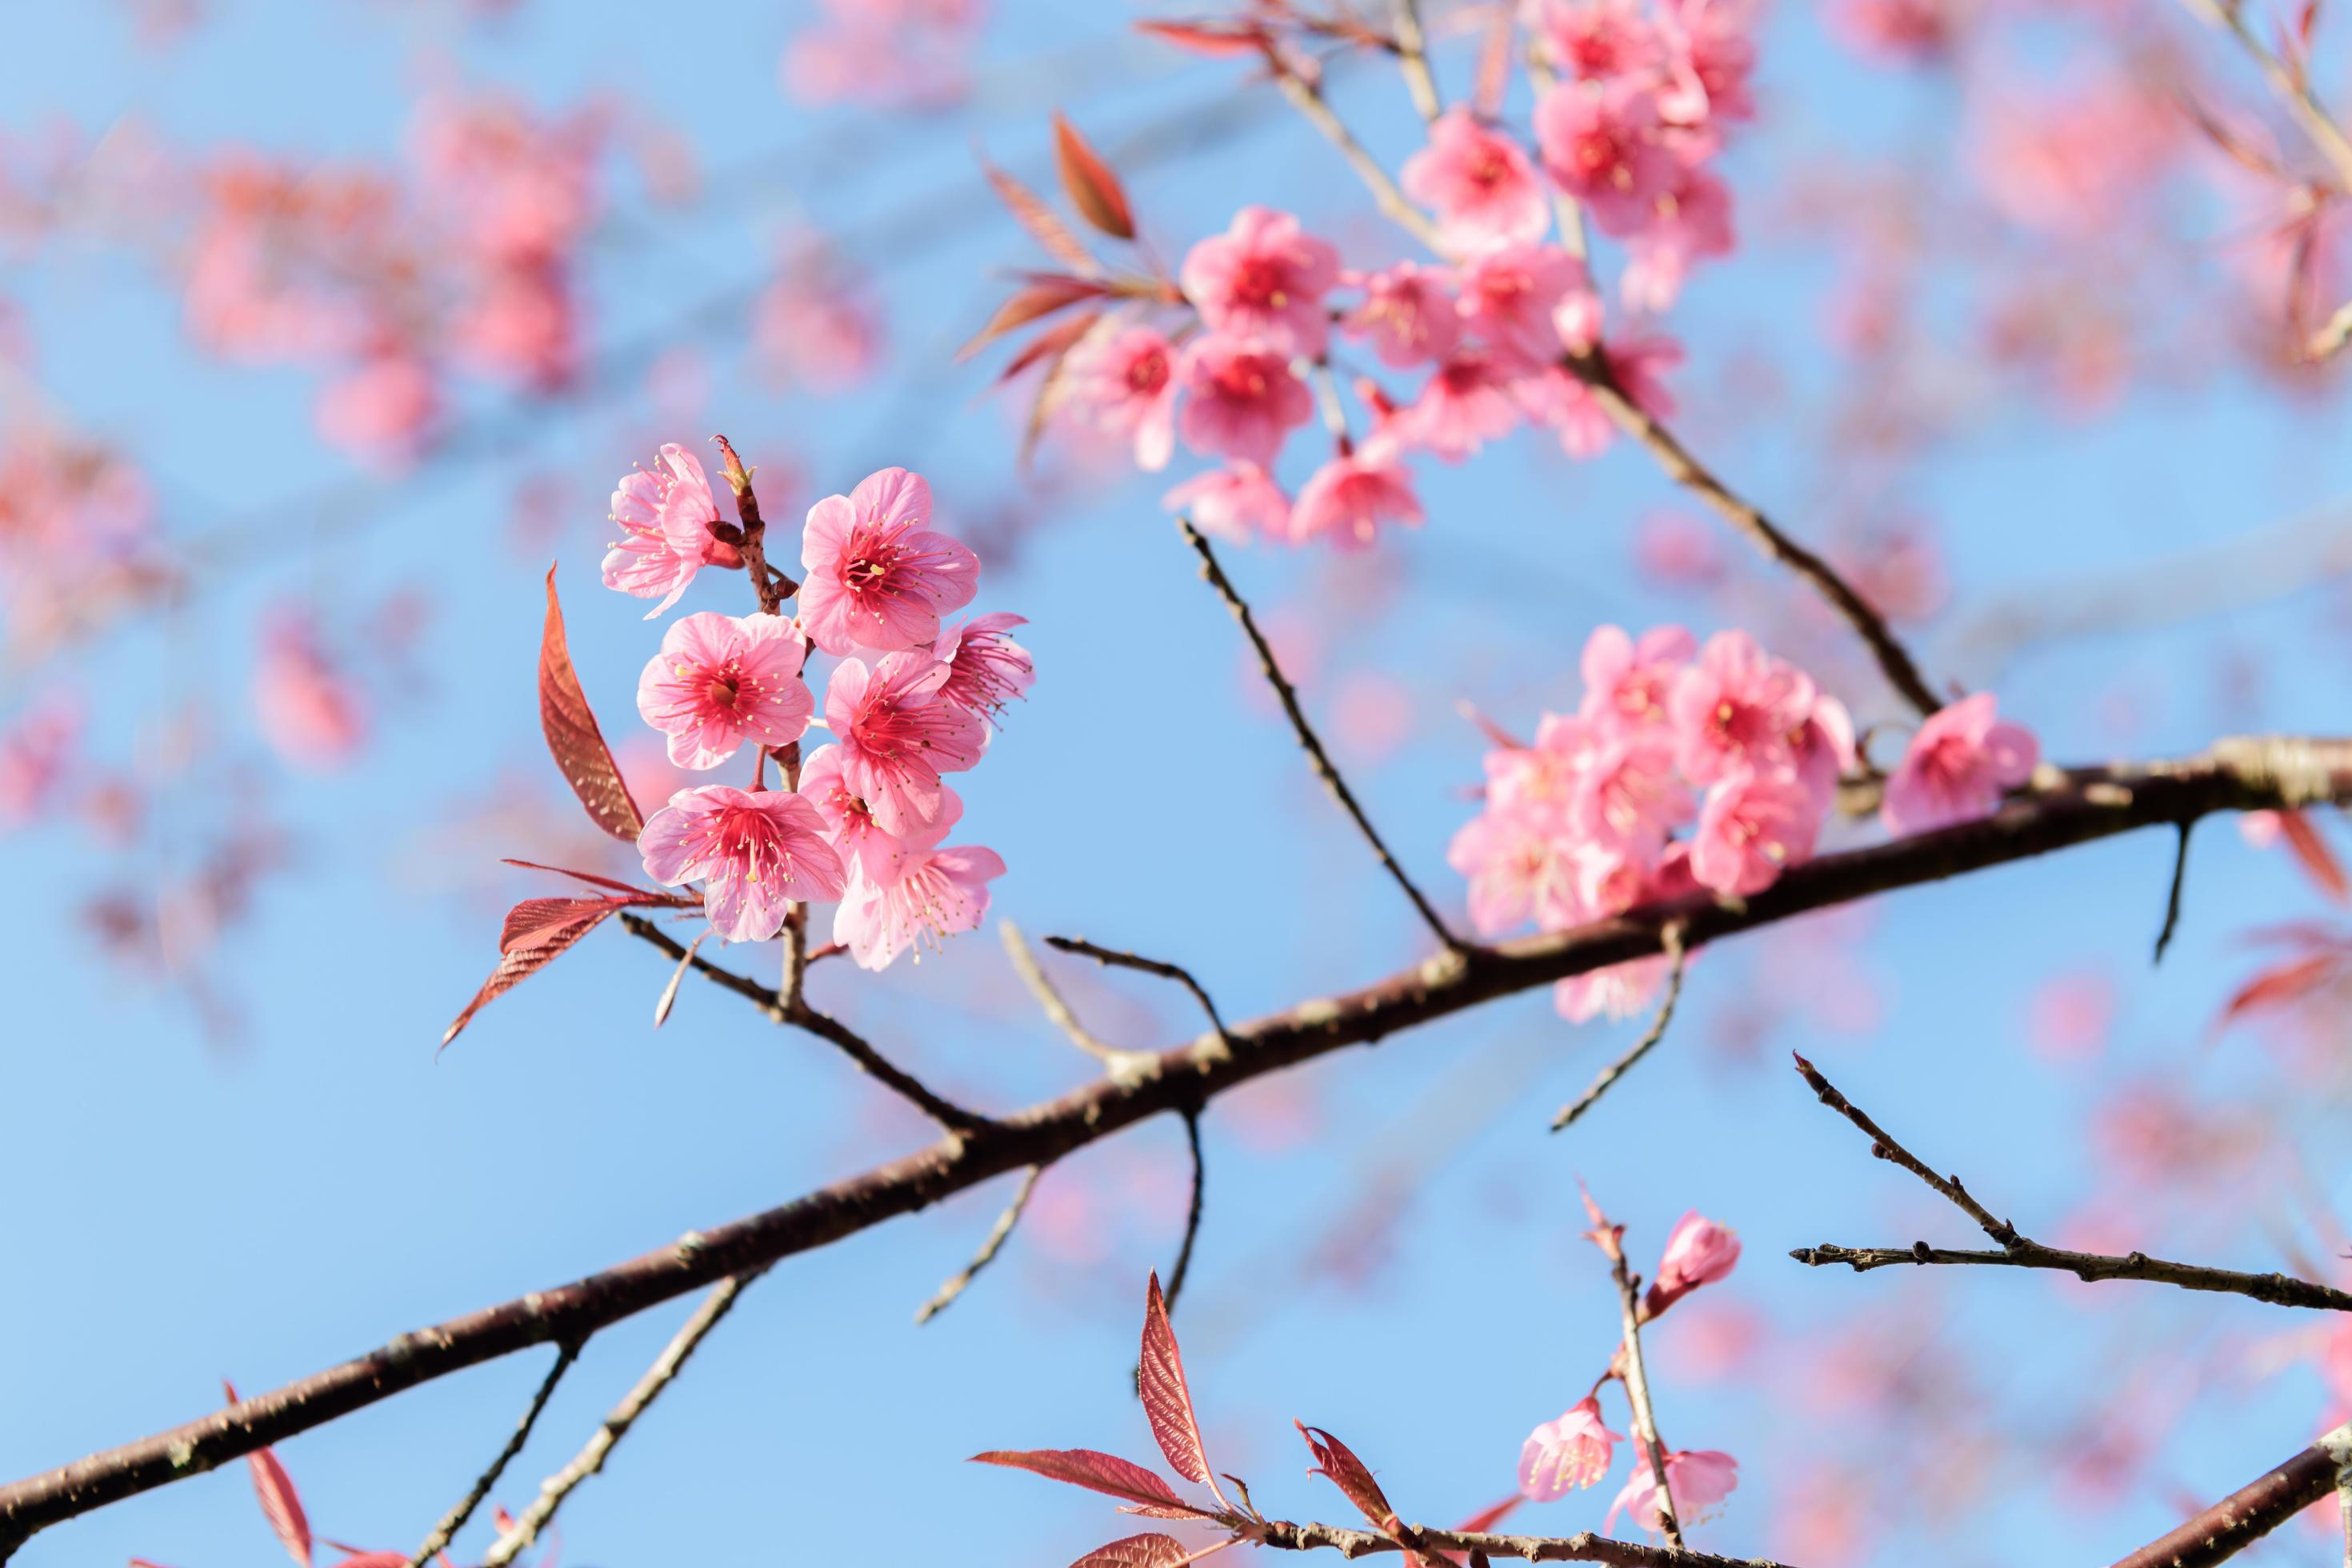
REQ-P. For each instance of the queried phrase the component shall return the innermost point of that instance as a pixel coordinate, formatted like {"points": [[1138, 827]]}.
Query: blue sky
{"points": [[186, 1211]]}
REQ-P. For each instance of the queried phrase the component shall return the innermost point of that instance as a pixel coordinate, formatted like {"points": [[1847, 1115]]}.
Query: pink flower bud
{"points": [[1699, 1252], [1573, 1451]]}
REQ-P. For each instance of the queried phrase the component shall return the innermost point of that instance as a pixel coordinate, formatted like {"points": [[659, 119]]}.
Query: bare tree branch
{"points": [[2272, 773], [1670, 936], [1215, 576], [2173, 897], [614, 1426], [1582, 1547], [1192, 1212], [944, 1296], [2254, 1510], [455, 1519], [2019, 1251], [1113, 958], [1631, 1371], [1057, 1011]]}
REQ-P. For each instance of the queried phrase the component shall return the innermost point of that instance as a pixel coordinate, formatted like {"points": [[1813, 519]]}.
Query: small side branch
{"points": [[1049, 997], [1308, 98], [2017, 1251], [616, 1426], [998, 1234], [2172, 898], [1412, 53], [1215, 576], [1637, 1394], [2254, 1510], [1114, 959], [2292, 87], [1192, 1213], [946, 1113], [455, 1519], [1671, 938], [1582, 1547]]}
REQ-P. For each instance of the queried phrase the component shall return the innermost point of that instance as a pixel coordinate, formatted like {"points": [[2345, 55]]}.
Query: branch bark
{"points": [[2254, 1510], [2245, 773]]}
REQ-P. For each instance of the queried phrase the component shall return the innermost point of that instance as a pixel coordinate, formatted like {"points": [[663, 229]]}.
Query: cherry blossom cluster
{"points": [[907, 700], [1576, 1450], [1489, 327], [1740, 747]]}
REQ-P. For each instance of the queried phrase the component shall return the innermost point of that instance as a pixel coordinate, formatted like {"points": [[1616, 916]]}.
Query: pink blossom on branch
{"points": [[1264, 277], [1510, 293], [1697, 1480], [1239, 502], [922, 898], [1350, 497], [1752, 827], [1600, 40], [1241, 399], [720, 680], [1121, 379], [755, 854], [849, 824], [1627, 684], [1479, 181], [1738, 709], [1958, 766], [897, 735], [1605, 145], [1572, 1452], [1465, 403], [1699, 1252], [665, 517], [878, 576], [986, 669], [1408, 312]]}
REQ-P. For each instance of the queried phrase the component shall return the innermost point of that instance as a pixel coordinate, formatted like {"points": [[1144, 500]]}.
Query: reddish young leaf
{"points": [[374, 1560], [1053, 342], [2317, 860], [1092, 188], [1046, 293], [590, 878], [536, 934], [1208, 37], [1136, 1552], [1337, 1463], [1096, 1471], [2280, 985], [577, 744], [1160, 1376], [281, 1505], [1039, 220]]}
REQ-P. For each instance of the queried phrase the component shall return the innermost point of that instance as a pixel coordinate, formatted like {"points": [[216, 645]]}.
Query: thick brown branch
{"points": [[2238, 774], [946, 1113], [2019, 1251], [2254, 1510], [1583, 1547], [1214, 575]]}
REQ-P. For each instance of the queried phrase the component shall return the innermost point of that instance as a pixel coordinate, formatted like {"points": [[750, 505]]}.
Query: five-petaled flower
{"points": [[1572, 1452], [719, 681], [897, 735], [1958, 766], [1263, 279], [878, 577], [756, 854], [665, 517]]}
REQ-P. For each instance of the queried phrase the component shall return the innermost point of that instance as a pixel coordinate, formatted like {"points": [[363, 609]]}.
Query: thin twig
{"points": [[946, 1113], [2292, 87], [1215, 576], [1670, 938], [2272, 773], [1192, 1215], [946, 1294], [616, 1425], [1412, 53], [1637, 1394], [1118, 960], [2172, 898], [2329, 339], [1308, 100], [1049, 998], [2017, 1251], [796, 954], [1565, 207], [463, 1509], [1583, 1547]]}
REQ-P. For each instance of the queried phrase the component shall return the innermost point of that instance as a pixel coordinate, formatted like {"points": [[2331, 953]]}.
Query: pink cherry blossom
{"points": [[1696, 1480], [1751, 828], [381, 412], [1628, 684], [1350, 497], [1958, 766], [1264, 277], [1606, 146], [1466, 404], [1541, 779], [34, 755], [1899, 32], [1409, 314], [1738, 709], [1479, 181], [1699, 1252], [1241, 399], [1572, 1452], [878, 577], [1509, 295], [1628, 795], [986, 669], [1618, 991], [719, 680], [1121, 379], [923, 898], [1238, 503], [1513, 867], [1599, 40], [1825, 750], [1692, 223], [309, 710], [849, 824], [1710, 58], [897, 735], [665, 518], [755, 854]]}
